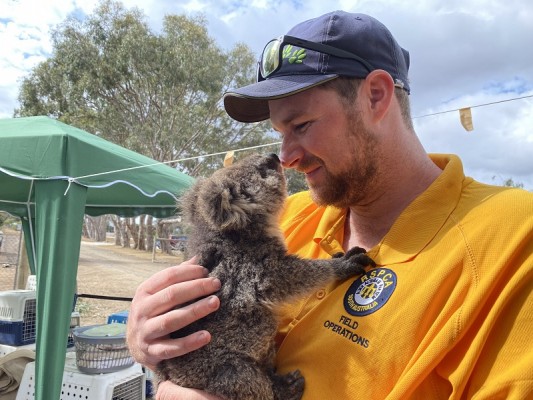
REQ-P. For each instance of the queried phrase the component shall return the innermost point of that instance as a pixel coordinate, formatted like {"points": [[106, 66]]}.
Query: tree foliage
{"points": [[511, 183], [156, 93]]}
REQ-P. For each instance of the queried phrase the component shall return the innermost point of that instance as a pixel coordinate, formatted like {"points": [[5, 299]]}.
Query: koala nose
{"points": [[274, 156], [273, 161]]}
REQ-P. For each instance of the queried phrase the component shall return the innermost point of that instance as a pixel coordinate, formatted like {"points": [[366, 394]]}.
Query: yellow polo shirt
{"points": [[448, 312]]}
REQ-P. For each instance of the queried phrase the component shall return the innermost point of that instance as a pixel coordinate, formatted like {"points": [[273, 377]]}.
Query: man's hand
{"points": [[155, 313]]}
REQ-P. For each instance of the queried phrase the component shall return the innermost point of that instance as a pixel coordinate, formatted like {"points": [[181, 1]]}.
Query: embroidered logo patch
{"points": [[294, 56], [370, 292]]}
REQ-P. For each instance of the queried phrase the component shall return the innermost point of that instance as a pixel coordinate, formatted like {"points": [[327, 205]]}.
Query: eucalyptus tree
{"points": [[158, 93], [155, 92]]}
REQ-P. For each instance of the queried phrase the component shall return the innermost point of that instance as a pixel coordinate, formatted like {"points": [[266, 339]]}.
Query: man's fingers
{"points": [[185, 271], [179, 318], [167, 302], [170, 348], [178, 294]]}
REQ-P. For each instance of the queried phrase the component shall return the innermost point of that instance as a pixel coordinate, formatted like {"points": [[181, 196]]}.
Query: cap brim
{"points": [[250, 103]]}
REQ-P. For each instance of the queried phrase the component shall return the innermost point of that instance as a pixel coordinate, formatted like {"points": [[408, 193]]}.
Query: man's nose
{"points": [[290, 154]]}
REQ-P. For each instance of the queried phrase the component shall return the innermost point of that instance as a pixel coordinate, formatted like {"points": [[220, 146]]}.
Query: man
{"points": [[447, 314]]}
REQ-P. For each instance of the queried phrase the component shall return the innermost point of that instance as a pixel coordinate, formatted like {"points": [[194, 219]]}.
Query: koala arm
{"points": [[297, 276]]}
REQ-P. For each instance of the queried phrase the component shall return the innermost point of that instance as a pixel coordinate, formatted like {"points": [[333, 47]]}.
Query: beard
{"points": [[349, 186]]}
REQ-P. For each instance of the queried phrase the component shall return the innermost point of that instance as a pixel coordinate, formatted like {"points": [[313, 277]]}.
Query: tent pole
{"points": [[58, 224]]}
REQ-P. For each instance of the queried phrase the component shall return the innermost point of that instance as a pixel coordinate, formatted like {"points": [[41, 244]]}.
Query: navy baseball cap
{"points": [[314, 52]]}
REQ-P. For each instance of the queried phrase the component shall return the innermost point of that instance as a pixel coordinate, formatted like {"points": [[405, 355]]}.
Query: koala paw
{"points": [[292, 387], [356, 259]]}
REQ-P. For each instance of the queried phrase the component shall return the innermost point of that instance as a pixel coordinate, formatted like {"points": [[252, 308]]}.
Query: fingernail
{"points": [[202, 337], [217, 284], [212, 301]]}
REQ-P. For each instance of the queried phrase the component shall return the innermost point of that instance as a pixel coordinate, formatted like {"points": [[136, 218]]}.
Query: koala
{"points": [[234, 215]]}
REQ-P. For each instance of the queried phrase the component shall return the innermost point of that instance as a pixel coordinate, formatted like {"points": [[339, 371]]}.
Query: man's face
{"points": [[329, 143]]}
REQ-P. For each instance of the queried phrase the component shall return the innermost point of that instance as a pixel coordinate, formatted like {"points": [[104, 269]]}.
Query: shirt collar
{"points": [[420, 222], [416, 226]]}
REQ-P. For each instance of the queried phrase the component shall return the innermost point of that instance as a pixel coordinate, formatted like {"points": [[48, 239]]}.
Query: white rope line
{"points": [[478, 105], [76, 179], [15, 202], [278, 143], [176, 161], [70, 180]]}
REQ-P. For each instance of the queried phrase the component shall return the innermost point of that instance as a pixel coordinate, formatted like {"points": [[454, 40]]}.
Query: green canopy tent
{"points": [[51, 174]]}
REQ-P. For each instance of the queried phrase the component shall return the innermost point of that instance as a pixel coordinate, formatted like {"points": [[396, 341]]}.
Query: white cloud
{"points": [[194, 6], [499, 147]]}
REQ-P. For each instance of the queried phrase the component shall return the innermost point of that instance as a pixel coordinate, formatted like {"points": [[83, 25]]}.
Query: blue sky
{"points": [[463, 53]]}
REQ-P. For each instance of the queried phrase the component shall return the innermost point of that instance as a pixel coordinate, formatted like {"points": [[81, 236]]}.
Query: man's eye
{"points": [[302, 127]]}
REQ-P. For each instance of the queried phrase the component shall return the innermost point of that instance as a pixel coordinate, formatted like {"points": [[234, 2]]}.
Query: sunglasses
{"points": [[273, 54]]}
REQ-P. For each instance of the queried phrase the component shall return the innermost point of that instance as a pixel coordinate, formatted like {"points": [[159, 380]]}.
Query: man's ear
{"points": [[379, 90], [222, 209]]}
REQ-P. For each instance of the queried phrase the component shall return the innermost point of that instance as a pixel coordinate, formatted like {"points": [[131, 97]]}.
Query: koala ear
{"points": [[186, 204], [221, 209]]}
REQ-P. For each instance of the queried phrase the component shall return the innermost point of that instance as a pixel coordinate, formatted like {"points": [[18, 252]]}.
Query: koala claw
{"points": [[357, 260], [355, 250], [292, 387]]}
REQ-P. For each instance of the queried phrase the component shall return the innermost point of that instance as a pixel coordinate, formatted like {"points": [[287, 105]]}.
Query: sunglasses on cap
{"points": [[273, 54]]}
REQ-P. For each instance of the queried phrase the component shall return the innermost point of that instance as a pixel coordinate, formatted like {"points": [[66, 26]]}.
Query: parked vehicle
{"points": [[178, 242]]}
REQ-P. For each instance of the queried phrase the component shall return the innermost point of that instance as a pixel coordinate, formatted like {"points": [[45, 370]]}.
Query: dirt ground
{"points": [[109, 270], [103, 269]]}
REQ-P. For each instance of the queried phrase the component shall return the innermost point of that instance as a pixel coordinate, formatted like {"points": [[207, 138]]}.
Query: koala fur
{"points": [[234, 215]]}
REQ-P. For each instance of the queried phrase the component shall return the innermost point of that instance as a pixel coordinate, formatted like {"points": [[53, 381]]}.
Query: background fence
{"points": [[9, 257]]}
